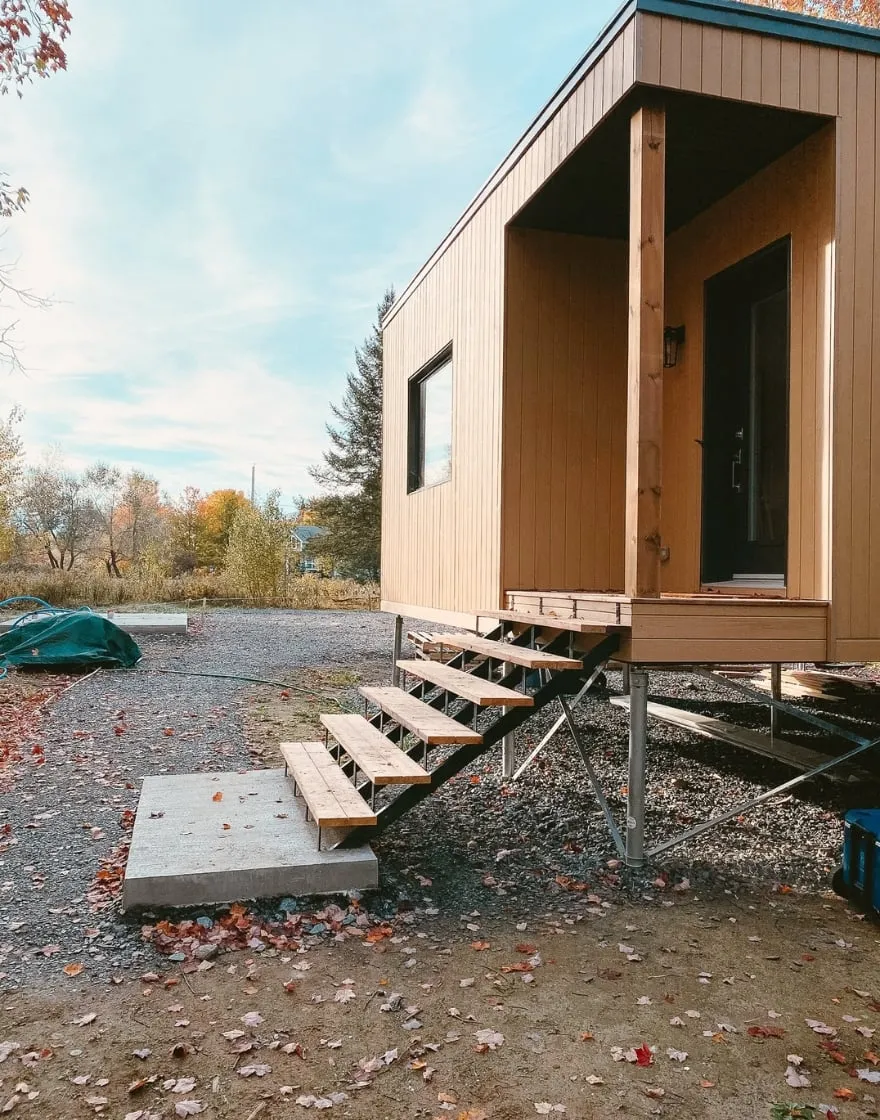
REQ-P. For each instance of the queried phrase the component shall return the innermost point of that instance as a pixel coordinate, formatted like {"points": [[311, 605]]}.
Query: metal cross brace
{"points": [[862, 744], [567, 717]]}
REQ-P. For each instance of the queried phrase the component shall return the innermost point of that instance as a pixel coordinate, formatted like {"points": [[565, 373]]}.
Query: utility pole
{"points": [[253, 481]]}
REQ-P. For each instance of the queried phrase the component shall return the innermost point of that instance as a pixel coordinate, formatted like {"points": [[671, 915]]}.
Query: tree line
{"points": [[120, 522]]}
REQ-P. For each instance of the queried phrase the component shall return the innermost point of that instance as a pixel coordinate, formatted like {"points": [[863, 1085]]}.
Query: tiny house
{"points": [[632, 388]]}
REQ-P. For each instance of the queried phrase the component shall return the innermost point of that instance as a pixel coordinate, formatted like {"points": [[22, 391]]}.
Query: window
{"points": [[430, 423]]}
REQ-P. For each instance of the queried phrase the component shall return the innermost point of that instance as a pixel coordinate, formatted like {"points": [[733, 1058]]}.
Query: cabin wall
{"points": [[564, 412], [441, 547], [793, 196]]}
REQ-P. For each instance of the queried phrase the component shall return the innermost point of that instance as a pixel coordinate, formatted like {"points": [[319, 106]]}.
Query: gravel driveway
{"points": [[481, 844]]}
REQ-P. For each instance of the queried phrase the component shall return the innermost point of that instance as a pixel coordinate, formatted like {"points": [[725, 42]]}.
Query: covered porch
{"points": [[666, 407]]}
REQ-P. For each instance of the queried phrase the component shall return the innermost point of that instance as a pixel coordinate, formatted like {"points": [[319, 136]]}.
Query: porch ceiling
{"points": [[712, 147]]}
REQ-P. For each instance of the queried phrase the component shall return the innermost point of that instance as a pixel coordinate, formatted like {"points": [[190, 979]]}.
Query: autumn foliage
{"points": [[865, 12]]}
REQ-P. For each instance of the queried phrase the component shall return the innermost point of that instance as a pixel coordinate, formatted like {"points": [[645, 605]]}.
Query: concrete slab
{"points": [[182, 855], [134, 623]]}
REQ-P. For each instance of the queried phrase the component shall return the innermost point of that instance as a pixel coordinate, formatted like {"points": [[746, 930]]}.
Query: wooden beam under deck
{"points": [[644, 423]]}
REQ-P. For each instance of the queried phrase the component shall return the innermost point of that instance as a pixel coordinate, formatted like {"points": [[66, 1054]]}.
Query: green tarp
{"points": [[72, 640]]}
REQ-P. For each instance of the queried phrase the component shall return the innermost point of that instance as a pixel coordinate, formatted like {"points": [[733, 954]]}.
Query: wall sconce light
{"points": [[673, 338]]}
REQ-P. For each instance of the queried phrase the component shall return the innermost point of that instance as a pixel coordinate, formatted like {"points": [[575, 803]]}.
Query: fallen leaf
{"points": [[252, 1019], [489, 1039], [592, 1079], [189, 1108], [480, 946], [218, 796], [257, 1070], [544, 1108], [182, 1085], [73, 969], [644, 1055], [844, 1094], [86, 1019], [766, 1032]]}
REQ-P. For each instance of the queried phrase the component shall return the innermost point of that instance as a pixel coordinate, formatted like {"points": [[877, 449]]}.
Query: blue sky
{"points": [[220, 193]]}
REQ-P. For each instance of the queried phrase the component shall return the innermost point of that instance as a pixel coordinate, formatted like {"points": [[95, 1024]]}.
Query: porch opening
{"points": [[749, 218]]}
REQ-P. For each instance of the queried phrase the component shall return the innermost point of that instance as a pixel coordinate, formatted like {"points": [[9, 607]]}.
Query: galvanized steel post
{"points": [[635, 797], [398, 642]]}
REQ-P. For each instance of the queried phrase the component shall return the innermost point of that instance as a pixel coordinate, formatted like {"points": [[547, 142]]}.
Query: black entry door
{"points": [[745, 426]]}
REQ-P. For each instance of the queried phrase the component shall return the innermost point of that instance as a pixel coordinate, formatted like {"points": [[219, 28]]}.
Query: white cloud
{"points": [[219, 198]]}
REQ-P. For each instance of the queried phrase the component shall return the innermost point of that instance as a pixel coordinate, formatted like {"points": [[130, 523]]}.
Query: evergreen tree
{"points": [[351, 474]]}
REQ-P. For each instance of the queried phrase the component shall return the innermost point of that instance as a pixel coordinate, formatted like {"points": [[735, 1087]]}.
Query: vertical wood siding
{"points": [[846, 511], [794, 196], [564, 415], [441, 547]]}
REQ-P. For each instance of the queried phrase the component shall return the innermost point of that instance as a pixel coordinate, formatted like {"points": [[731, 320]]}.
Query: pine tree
{"points": [[351, 474]]}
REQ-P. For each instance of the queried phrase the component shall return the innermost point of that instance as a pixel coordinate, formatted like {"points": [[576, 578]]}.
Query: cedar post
{"points": [[644, 423]]}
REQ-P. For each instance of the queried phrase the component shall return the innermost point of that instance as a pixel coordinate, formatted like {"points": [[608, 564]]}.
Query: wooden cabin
{"points": [[632, 389]]}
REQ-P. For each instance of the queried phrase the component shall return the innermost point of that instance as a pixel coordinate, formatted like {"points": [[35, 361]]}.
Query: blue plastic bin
{"points": [[860, 870]]}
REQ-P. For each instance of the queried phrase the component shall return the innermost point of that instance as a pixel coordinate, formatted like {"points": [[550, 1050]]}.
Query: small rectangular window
{"points": [[430, 423]]}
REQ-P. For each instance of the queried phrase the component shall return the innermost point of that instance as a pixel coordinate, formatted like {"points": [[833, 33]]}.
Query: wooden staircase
{"points": [[419, 738]]}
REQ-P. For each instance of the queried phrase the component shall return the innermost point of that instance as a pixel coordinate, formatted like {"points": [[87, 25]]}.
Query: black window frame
{"points": [[415, 457]]}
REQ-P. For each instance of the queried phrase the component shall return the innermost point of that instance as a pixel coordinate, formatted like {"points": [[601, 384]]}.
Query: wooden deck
{"points": [[686, 629]]}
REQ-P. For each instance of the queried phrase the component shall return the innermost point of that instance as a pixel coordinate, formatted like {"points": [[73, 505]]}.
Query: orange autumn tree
{"points": [[217, 511], [865, 12]]}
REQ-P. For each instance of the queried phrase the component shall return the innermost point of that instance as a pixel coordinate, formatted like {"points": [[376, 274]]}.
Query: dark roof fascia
{"points": [[768, 21], [714, 13]]}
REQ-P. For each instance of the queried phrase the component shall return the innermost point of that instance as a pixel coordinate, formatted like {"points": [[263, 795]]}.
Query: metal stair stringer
{"points": [[560, 683]]}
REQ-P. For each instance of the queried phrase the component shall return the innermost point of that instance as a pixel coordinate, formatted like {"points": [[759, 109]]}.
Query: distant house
{"points": [[300, 537]]}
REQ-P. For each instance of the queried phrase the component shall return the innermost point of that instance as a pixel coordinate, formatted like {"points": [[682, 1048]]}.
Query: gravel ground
{"points": [[108, 732], [479, 845]]}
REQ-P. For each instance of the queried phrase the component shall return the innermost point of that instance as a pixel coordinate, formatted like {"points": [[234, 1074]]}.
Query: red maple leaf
{"points": [[644, 1055]]}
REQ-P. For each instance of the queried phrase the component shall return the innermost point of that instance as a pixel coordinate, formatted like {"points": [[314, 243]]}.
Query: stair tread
{"points": [[382, 762], [429, 724], [504, 651], [330, 796], [550, 622], [479, 691]]}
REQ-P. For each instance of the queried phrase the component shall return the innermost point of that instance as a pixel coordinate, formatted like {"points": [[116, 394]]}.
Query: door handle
{"points": [[735, 464]]}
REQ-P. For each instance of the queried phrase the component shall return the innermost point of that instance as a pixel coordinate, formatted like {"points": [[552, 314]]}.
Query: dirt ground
{"points": [[396, 1024]]}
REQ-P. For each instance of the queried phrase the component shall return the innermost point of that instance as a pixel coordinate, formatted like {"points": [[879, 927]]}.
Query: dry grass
{"points": [[94, 589]]}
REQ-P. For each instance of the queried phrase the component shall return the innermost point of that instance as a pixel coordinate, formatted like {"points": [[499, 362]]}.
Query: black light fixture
{"points": [[673, 338]]}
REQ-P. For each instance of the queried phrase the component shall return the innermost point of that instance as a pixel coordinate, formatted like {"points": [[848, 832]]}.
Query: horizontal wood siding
{"points": [[441, 547], [564, 413], [794, 196]]}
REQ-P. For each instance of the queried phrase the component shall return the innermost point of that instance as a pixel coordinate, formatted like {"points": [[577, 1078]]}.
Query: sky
{"points": [[220, 195]]}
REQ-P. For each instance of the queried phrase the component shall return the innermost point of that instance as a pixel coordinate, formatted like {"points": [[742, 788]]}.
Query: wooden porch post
{"points": [[644, 424]]}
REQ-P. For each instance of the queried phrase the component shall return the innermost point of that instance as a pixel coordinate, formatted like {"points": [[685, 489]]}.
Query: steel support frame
{"points": [[633, 847], [862, 744]]}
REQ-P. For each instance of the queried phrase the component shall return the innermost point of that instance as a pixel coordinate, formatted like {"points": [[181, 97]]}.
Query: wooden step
{"points": [[504, 651], [482, 692], [429, 724], [382, 762], [332, 799], [550, 622]]}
